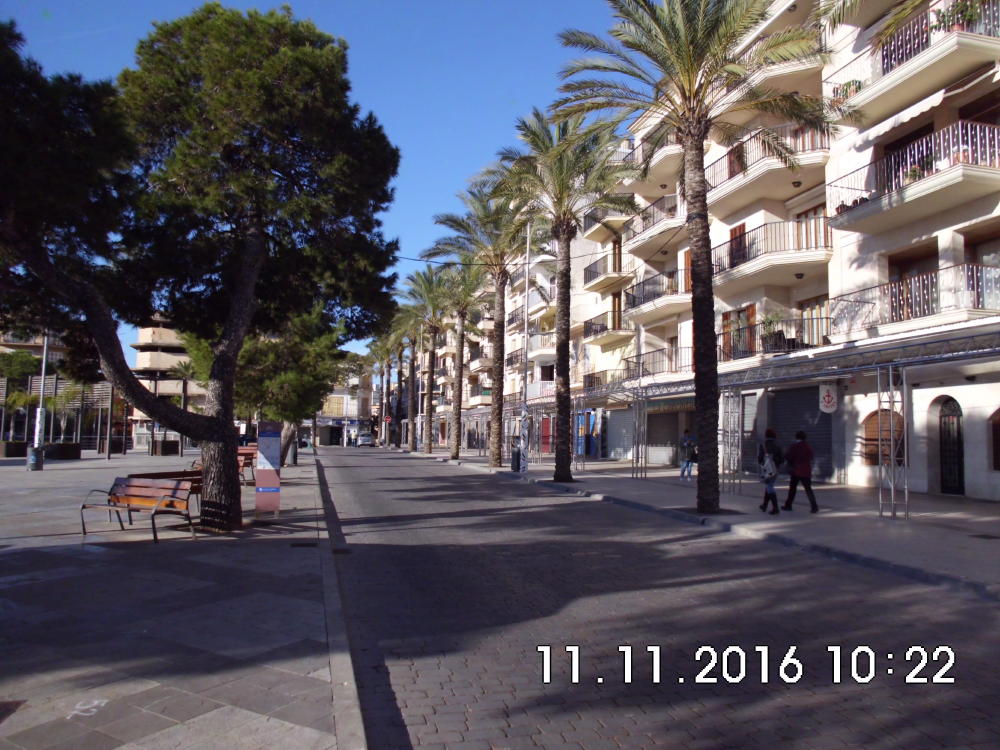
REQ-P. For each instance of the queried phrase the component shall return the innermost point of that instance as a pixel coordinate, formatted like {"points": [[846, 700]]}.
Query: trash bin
{"points": [[36, 458], [515, 459]]}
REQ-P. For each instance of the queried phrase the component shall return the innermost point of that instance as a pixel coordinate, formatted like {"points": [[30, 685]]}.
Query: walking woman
{"points": [[800, 458], [769, 458]]}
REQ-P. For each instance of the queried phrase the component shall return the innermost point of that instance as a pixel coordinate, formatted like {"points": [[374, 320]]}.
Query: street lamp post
{"points": [[36, 460], [523, 468]]}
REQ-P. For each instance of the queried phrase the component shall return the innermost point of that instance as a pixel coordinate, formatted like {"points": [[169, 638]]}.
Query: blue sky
{"points": [[447, 78]]}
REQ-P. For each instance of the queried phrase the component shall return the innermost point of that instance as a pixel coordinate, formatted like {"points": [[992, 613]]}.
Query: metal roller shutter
{"points": [[619, 436], [798, 409]]}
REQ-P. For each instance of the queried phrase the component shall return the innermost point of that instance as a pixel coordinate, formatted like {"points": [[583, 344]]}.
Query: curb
{"points": [[955, 583], [348, 724]]}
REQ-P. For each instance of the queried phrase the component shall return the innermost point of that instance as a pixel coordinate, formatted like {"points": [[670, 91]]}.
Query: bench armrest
{"points": [[106, 493]]}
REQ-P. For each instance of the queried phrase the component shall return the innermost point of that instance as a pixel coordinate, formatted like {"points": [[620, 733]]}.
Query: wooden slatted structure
{"points": [[142, 495]]}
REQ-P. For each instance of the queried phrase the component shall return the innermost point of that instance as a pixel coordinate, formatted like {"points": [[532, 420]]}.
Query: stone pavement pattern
{"points": [[113, 641], [452, 578]]}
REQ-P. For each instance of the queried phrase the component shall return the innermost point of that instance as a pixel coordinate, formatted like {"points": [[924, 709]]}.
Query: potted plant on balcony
{"points": [[772, 339], [961, 15], [912, 174]]}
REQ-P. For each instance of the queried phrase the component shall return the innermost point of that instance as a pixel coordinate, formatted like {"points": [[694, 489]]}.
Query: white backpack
{"points": [[768, 470]]}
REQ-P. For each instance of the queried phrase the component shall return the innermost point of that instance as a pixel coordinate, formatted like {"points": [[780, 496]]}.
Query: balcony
{"points": [[514, 359], [541, 389], [751, 164], [773, 337], [481, 362], [606, 329], [940, 171], [921, 58], [517, 278], [645, 234], [541, 300], [516, 318], [602, 378], [772, 254], [542, 347], [608, 274], [601, 224], [957, 293], [480, 395], [670, 360], [657, 297]]}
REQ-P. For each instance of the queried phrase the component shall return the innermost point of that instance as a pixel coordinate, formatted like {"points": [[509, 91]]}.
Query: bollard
{"points": [[36, 458]]}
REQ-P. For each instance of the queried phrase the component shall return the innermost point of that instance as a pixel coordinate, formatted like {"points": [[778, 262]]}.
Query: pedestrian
{"points": [[769, 458], [689, 454], [800, 459]]}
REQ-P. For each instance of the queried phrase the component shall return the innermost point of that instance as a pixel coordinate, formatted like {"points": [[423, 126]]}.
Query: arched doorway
{"points": [[951, 448]]}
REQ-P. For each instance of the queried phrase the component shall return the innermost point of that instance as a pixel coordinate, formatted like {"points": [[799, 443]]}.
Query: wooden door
{"points": [[737, 245], [952, 448]]}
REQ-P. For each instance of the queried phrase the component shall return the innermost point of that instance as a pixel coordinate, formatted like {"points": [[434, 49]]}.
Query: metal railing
{"points": [[964, 142], [662, 209], [476, 390], [658, 361], [647, 146], [649, 289], [535, 297], [602, 378], [602, 323], [515, 358], [754, 149], [968, 286], [516, 318], [776, 237], [610, 263], [773, 337], [541, 389], [518, 276], [910, 40]]}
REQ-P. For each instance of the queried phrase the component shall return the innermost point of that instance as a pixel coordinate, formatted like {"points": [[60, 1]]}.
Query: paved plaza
{"points": [[400, 602]]}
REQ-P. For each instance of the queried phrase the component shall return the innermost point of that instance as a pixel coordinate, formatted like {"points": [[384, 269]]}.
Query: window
{"points": [[876, 448]]}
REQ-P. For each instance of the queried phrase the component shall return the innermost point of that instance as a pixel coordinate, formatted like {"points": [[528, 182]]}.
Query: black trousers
{"points": [[807, 484]]}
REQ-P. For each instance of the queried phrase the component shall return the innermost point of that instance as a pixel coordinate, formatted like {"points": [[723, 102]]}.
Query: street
{"points": [[452, 579]]}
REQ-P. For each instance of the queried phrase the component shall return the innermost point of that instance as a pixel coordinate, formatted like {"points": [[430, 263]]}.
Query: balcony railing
{"points": [[514, 358], [754, 149], [603, 378], [776, 237], [962, 143], [517, 276], [963, 287], [545, 340], [541, 389], [773, 337], [535, 297], [476, 390], [601, 324], [516, 318], [662, 209], [647, 146], [651, 288], [610, 263], [658, 361], [912, 38]]}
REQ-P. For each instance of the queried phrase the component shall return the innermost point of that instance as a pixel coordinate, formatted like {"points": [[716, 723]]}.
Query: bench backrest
{"points": [[143, 491], [192, 475]]}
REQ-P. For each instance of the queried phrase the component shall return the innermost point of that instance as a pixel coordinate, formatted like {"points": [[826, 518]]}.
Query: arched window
{"points": [[875, 447], [995, 434]]}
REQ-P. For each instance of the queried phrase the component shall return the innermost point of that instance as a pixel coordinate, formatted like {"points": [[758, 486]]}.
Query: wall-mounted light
{"points": [[800, 275], [793, 7], [663, 187], [797, 184]]}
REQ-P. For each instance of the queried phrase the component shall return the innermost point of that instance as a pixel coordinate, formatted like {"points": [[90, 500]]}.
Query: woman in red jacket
{"points": [[800, 459]]}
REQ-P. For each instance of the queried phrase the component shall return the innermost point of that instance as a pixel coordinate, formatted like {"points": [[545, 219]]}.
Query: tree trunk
{"points": [[497, 371], [397, 416], [706, 375], [564, 456], [386, 402], [429, 403], [456, 416], [411, 405], [289, 435]]}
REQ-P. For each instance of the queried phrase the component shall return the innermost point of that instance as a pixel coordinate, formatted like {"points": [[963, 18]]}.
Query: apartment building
{"points": [[346, 411], [857, 297]]}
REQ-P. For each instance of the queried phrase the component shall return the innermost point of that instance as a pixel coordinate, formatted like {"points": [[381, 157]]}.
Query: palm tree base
{"points": [[708, 506], [562, 478]]}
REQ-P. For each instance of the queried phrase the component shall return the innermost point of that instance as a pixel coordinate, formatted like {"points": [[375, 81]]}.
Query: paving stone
{"points": [[46, 735], [136, 726], [245, 694]]}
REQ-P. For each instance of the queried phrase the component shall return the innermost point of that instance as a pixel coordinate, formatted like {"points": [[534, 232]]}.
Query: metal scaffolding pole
{"points": [[731, 440], [640, 443], [893, 455]]}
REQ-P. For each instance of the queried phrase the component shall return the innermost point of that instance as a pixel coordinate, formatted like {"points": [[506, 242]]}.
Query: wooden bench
{"points": [[143, 495], [193, 475]]}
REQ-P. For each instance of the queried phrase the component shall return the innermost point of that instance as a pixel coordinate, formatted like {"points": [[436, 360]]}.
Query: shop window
{"points": [[876, 448]]}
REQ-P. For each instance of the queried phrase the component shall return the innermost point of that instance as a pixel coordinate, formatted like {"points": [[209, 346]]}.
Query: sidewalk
{"points": [[111, 641], [948, 541]]}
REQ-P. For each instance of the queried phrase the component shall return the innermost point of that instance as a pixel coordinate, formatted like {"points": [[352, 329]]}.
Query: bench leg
{"points": [[156, 539], [191, 525], [83, 525], [118, 513]]}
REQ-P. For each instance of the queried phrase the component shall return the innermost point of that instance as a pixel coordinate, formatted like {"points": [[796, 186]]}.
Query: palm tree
{"points": [[380, 350], [564, 173], [427, 292], [678, 61], [465, 284], [407, 325], [485, 234]]}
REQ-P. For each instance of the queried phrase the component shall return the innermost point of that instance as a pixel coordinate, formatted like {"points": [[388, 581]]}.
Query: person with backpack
{"points": [[769, 458], [800, 459]]}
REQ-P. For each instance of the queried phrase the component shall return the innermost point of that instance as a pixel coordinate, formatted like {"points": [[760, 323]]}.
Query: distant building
{"points": [[346, 411]]}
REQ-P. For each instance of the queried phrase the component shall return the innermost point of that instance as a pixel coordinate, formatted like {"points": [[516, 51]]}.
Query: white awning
{"points": [[875, 132]]}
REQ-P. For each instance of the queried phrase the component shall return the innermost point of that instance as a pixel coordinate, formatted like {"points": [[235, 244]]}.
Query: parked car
{"points": [[365, 438]]}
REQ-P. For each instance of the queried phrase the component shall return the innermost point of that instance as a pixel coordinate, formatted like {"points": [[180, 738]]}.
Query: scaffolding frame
{"points": [[731, 440]]}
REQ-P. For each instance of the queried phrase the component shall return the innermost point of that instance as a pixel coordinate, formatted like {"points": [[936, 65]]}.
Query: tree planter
{"points": [[13, 449], [116, 445], [166, 447], [62, 451]]}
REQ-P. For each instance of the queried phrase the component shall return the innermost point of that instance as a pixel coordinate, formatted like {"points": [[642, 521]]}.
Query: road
{"points": [[452, 579]]}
